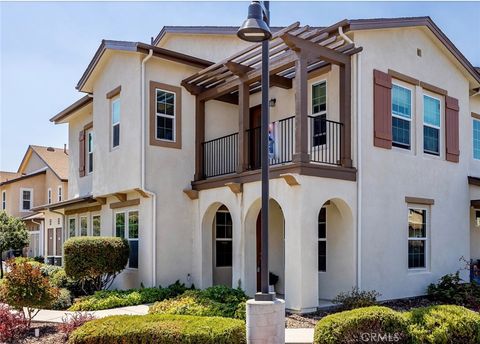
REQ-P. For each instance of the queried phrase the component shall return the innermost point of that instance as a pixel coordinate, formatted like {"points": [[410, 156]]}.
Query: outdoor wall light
{"points": [[254, 28], [272, 102]]}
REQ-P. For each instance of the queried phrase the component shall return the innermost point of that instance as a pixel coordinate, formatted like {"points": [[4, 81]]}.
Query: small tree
{"points": [[25, 289], [95, 259], [13, 235]]}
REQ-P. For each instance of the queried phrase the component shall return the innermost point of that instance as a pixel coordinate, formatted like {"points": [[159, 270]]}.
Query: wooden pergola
{"points": [[295, 53]]}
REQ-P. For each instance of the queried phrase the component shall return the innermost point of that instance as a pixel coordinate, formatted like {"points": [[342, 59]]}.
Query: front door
{"points": [[254, 137]]}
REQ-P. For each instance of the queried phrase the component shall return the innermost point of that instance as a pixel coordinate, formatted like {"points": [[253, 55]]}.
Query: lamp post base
{"points": [[266, 321], [264, 296]]}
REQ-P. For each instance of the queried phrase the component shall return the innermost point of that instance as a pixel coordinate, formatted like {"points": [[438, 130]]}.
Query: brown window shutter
{"points": [[81, 153], [382, 109], [452, 137]]}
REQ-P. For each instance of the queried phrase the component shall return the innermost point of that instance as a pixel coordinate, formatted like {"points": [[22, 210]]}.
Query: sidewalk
{"points": [[292, 335]]}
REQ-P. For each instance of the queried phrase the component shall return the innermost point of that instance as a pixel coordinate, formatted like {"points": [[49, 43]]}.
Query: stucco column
{"points": [[301, 271]]}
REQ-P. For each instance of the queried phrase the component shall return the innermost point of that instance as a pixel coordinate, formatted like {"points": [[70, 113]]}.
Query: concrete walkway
{"points": [[292, 335]]}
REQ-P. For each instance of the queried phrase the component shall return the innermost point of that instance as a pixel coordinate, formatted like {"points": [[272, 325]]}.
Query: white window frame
{"points": [[4, 200], [59, 193], [174, 117], [323, 239], [89, 150], [404, 118], [80, 224], [127, 230], [21, 199], [113, 124], [473, 138], [439, 128], [92, 215], [425, 239], [74, 218], [49, 196]]}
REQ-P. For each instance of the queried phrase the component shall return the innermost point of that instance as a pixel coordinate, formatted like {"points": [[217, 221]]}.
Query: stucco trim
{"points": [[419, 200], [475, 115], [83, 210], [125, 204], [115, 92], [403, 77], [474, 181], [433, 88], [178, 115]]}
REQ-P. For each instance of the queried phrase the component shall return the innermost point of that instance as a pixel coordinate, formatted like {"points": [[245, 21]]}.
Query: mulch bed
{"points": [[309, 320], [48, 334]]}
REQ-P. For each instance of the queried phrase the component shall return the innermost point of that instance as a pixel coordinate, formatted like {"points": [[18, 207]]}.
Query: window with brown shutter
{"points": [[81, 153], [451, 129], [382, 109]]}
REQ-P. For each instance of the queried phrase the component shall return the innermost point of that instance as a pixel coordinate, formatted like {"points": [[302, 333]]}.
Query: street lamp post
{"points": [[256, 29]]}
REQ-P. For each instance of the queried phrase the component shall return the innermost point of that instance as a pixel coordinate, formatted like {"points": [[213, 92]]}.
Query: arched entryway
{"points": [[276, 247], [336, 249]]}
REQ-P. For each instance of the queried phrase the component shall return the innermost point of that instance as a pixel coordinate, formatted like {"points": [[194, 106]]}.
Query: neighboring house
{"points": [[375, 129], [42, 177]]}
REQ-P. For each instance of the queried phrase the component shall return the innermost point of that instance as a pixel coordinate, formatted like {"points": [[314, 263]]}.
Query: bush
{"points": [[353, 326], [49, 270], [63, 300], [444, 324], [165, 329], [13, 325], [452, 289], [71, 322], [25, 287], [356, 298], [106, 299], [39, 259], [99, 259], [214, 301], [59, 279]]}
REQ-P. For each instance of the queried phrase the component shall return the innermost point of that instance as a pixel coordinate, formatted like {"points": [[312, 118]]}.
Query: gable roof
{"points": [[55, 158], [24, 176], [139, 47], [386, 23]]}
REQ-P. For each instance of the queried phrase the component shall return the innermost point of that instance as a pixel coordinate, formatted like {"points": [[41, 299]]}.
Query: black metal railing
{"points": [[325, 140], [220, 156], [281, 143]]}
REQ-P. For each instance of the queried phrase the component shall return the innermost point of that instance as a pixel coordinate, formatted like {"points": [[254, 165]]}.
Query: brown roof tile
{"points": [[55, 158]]}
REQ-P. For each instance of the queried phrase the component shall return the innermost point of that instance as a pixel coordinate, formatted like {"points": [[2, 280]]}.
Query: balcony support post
{"points": [[301, 110], [243, 125], [346, 113], [199, 137]]}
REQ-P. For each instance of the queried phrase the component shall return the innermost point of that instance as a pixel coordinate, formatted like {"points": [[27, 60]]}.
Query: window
{"points": [[476, 139], [115, 122], [72, 223], [96, 225], [319, 112], [431, 125], [90, 151], [26, 196], [223, 238], [417, 238], [4, 200], [60, 195], [165, 115], [83, 226], [401, 116], [322, 240], [49, 198], [130, 233]]}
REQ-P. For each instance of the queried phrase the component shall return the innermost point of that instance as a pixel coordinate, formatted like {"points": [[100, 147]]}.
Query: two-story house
{"points": [[41, 178], [373, 134]]}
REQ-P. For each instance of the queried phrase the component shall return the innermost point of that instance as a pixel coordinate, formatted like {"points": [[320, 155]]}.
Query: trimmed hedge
{"points": [[352, 326], [164, 329], [97, 259], [444, 324]]}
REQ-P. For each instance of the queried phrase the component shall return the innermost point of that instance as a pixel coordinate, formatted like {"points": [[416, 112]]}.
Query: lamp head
{"points": [[254, 28]]}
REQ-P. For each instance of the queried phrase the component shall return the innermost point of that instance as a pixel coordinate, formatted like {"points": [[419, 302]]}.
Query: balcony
{"points": [[221, 155]]}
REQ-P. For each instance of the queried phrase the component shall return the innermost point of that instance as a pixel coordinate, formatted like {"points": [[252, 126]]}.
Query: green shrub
{"points": [[362, 325], [444, 324], [356, 298], [165, 329], [39, 259], [49, 270], [452, 289], [95, 259], [214, 301], [63, 300], [59, 279]]}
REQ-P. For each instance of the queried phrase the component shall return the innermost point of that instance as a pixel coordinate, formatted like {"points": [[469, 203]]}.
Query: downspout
{"points": [[358, 106], [143, 170]]}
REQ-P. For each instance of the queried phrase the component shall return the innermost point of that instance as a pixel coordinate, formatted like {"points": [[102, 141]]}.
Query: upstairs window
{"points": [[60, 193], [90, 151], [26, 196], [401, 116], [4, 200], [49, 197], [322, 240], [476, 139], [165, 115], [115, 122], [431, 125], [319, 113]]}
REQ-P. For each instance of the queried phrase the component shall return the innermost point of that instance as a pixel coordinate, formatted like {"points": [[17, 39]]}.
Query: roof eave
{"points": [[71, 109]]}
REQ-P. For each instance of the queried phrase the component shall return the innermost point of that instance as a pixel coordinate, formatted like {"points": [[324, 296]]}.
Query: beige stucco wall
{"points": [[36, 183], [393, 174]]}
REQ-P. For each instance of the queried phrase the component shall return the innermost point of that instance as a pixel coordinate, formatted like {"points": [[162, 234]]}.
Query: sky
{"points": [[46, 46]]}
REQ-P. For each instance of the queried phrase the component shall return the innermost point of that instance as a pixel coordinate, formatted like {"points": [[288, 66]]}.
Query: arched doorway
{"points": [[222, 247]]}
